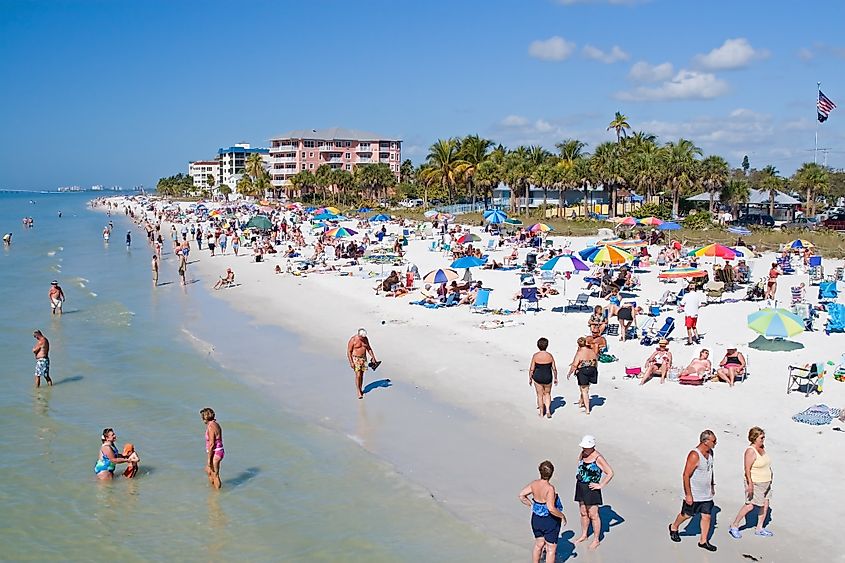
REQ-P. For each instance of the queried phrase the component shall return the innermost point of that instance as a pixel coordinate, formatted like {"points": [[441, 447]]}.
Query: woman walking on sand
{"points": [[542, 373], [546, 512], [758, 483], [593, 474], [584, 367]]}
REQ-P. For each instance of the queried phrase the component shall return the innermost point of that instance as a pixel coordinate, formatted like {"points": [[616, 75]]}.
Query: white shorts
{"points": [[56, 303]]}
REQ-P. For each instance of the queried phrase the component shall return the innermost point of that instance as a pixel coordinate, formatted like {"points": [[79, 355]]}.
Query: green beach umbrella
{"points": [[775, 323], [259, 222]]}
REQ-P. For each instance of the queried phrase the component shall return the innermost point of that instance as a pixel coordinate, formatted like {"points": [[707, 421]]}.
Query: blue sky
{"points": [[126, 92]]}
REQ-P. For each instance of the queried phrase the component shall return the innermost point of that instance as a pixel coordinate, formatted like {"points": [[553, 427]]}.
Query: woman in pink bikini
{"points": [[213, 446]]}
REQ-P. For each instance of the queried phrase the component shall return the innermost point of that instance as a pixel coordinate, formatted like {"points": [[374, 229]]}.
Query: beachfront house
{"points": [[569, 201], [758, 204]]}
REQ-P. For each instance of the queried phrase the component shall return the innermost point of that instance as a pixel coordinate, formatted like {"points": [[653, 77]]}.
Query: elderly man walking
{"points": [[699, 490]]}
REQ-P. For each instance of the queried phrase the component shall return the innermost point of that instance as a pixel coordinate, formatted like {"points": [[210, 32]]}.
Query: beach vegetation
{"points": [[178, 185]]}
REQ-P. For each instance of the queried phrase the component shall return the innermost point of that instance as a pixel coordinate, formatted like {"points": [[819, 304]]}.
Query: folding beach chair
{"points": [[650, 338], [836, 318], [714, 291], [529, 295], [491, 244], [433, 246], [828, 291], [482, 298], [797, 293], [579, 302], [808, 376], [548, 276]]}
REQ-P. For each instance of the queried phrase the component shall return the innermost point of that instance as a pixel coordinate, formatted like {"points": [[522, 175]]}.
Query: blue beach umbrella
{"points": [[467, 262], [589, 252], [668, 226], [364, 210], [379, 218], [325, 217], [495, 216]]}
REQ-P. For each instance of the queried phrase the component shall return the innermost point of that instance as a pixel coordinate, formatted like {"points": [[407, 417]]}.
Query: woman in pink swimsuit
{"points": [[213, 446]]}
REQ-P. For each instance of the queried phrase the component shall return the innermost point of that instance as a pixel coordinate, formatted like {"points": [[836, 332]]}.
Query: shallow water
{"points": [[137, 359]]}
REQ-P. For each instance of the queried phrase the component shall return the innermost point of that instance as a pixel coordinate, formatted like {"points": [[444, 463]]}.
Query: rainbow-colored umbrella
{"points": [[620, 243], [627, 221], [651, 221], [565, 263], [332, 210], [800, 243], [610, 255], [715, 249], [776, 323], [341, 232], [540, 228], [676, 273]]}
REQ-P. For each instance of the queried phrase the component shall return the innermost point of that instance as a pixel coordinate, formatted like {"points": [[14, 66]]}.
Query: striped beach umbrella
{"points": [[610, 255], [715, 249], [800, 243], [677, 273], [651, 221], [430, 213], [441, 276], [495, 216], [341, 232], [627, 221], [776, 323], [565, 263], [620, 243], [467, 238], [540, 228]]}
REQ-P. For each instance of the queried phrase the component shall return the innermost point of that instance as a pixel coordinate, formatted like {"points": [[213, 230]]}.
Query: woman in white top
{"points": [[758, 483]]}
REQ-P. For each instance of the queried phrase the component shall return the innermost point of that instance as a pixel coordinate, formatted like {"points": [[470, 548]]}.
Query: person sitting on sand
{"points": [[732, 364], [469, 298], [659, 362], [492, 265], [699, 366], [227, 280], [511, 259], [598, 319]]}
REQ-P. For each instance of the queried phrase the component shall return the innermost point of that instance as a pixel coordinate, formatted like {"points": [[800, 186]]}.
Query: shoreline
{"points": [[470, 381]]}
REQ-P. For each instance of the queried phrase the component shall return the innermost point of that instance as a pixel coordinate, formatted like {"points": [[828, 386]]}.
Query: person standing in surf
{"points": [[42, 358], [57, 297], [213, 446]]}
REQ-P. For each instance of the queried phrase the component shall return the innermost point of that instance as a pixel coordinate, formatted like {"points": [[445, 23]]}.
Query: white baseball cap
{"points": [[588, 442]]}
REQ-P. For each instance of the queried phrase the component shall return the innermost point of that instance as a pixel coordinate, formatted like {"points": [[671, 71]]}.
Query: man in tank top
{"points": [[699, 490]]}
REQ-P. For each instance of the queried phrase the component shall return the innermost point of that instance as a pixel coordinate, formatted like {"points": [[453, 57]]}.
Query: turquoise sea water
{"points": [[125, 356]]}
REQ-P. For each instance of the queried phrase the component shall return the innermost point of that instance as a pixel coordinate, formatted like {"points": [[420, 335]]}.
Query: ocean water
{"points": [[137, 359]]}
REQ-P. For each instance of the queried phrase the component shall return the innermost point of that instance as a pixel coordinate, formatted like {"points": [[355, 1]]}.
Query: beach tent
{"points": [[260, 222]]}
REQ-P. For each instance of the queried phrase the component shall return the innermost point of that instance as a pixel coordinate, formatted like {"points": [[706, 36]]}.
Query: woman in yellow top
{"points": [[758, 483]]}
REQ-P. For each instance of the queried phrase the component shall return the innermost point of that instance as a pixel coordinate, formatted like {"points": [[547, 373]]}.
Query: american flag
{"points": [[825, 106]]}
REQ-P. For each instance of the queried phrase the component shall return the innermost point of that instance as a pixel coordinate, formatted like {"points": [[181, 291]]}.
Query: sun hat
{"points": [[588, 442], [663, 342]]}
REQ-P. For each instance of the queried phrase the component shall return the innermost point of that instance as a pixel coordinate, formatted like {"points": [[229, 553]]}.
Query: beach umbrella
{"points": [[800, 243], [739, 231], [334, 210], [326, 216], [341, 232], [430, 213], [611, 255], [676, 273], [260, 222], [715, 249], [776, 323], [565, 263], [627, 221], [495, 216], [620, 243], [668, 226], [512, 221], [444, 216], [381, 217], [540, 228], [364, 210], [651, 221], [441, 276], [468, 262], [318, 225], [468, 237]]}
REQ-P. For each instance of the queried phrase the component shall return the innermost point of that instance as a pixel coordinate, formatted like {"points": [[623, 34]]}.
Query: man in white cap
{"points": [[356, 352], [57, 297]]}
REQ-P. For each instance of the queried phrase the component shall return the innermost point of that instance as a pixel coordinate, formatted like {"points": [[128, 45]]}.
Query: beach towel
{"points": [[817, 415], [426, 304]]}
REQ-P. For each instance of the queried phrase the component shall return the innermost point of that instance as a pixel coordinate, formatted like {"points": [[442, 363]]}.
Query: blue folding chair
{"points": [[482, 298], [828, 291], [529, 295]]}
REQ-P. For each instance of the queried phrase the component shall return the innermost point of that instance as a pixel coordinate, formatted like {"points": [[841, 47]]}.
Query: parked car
{"points": [[835, 222], [803, 223], [755, 220]]}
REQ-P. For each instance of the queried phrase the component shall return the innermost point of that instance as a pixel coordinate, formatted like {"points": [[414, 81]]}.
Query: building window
{"points": [[349, 167], [309, 144], [310, 155], [311, 165], [347, 155], [303, 155]]}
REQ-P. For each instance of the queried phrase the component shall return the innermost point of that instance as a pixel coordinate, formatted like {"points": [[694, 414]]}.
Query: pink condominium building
{"points": [[308, 149]]}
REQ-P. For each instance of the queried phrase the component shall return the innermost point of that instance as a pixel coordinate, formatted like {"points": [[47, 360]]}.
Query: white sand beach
{"points": [[484, 440]]}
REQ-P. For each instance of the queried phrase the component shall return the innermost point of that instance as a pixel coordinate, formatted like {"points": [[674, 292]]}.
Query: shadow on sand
{"points": [[557, 403], [376, 385], [70, 379]]}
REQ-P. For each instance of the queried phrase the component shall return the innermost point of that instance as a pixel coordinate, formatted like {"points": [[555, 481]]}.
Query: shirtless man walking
{"points": [[356, 352], [57, 297], [42, 358]]}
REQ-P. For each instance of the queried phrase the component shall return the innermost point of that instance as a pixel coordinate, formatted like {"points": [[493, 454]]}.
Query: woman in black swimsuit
{"points": [[541, 374], [585, 367]]}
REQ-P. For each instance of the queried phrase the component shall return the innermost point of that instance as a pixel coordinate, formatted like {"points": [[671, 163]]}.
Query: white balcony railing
{"points": [[281, 159], [364, 161], [284, 148]]}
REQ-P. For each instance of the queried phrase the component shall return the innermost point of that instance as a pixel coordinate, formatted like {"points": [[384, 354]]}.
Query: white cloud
{"points": [[543, 126], [806, 54], [514, 121], [641, 71], [552, 49], [685, 85], [614, 55], [734, 53]]}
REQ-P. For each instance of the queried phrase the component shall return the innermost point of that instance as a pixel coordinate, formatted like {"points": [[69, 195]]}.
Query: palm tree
{"points": [[445, 165], [210, 180], [545, 176], [343, 181], [254, 165], [734, 193], [516, 171], [681, 163], [813, 179], [620, 125], [714, 175], [489, 175], [607, 169], [570, 150], [571, 164], [473, 152], [323, 176], [771, 182], [303, 181]]}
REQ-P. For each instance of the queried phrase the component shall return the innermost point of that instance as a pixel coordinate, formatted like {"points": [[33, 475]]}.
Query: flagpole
{"points": [[816, 150]]}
